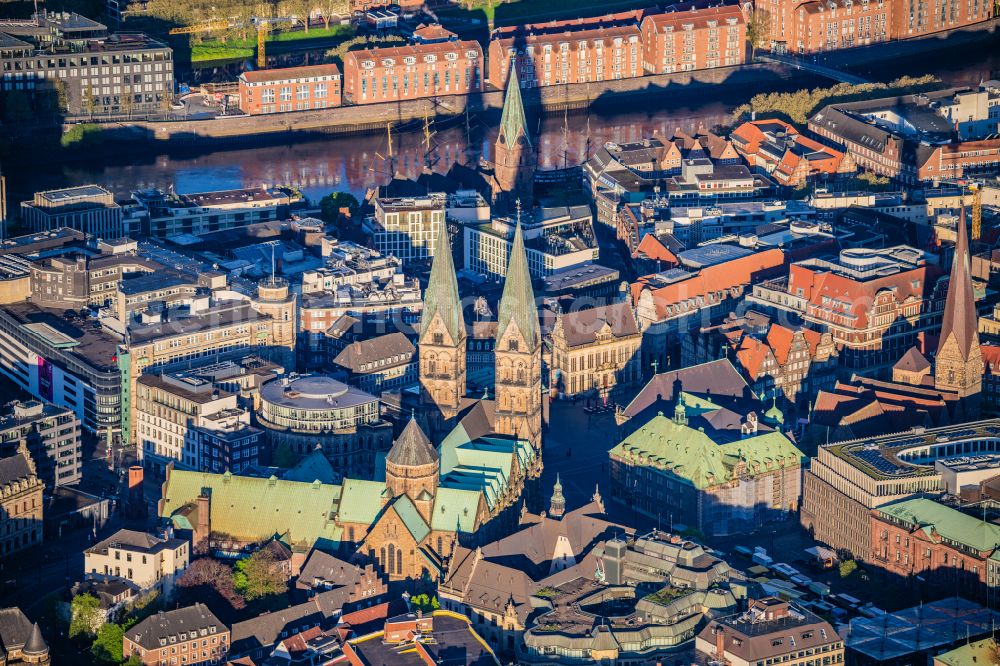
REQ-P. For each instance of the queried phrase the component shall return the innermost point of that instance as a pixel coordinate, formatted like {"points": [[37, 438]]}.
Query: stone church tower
{"points": [[519, 352], [412, 468], [513, 154], [442, 339], [958, 365]]}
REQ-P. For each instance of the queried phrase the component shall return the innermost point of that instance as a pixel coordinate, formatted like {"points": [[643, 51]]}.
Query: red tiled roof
{"points": [[433, 31], [857, 296], [290, 73], [751, 356], [991, 358], [698, 17], [436, 48], [712, 280], [652, 248]]}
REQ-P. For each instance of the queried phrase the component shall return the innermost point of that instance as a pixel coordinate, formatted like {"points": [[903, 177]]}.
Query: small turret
{"points": [[557, 506]]}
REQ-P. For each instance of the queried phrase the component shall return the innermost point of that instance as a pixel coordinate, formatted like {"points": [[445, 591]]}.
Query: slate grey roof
{"points": [[13, 468], [718, 379], [188, 620], [412, 448], [15, 628], [581, 327], [382, 348], [265, 630]]}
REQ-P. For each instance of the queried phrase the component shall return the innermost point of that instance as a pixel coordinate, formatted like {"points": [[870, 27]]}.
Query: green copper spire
{"points": [[442, 291], [513, 122], [518, 300]]}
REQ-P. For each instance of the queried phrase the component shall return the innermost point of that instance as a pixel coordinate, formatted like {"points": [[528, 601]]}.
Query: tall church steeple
{"points": [[442, 333], [518, 351], [514, 161], [958, 365]]}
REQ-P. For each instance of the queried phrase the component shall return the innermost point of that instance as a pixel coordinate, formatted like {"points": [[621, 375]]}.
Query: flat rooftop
{"points": [[95, 346], [68, 194], [911, 454], [453, 644], [579, 275], [314, 392]]}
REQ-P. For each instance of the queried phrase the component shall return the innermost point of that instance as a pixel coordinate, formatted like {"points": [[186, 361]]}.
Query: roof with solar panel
{"points": [[914, 452]]}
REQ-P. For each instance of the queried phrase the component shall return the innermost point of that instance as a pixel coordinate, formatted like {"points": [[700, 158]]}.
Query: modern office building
{"points": [[52, 435], [61, 54], [87, 208]]}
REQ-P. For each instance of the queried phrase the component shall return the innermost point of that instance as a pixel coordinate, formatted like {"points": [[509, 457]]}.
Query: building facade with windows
{"points": [[62, 54], [21, 502], [408, 227], [144, 560], [695, 38], [191, 635], [52, 435], [602, 48], [290, 89], [412, 72], [87, 208]]}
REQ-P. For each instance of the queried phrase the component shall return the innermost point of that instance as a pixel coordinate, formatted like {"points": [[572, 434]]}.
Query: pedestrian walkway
{"points": [[810, 66]]}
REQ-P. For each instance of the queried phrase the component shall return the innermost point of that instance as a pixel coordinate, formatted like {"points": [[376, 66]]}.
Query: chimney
{"points": [[720, 643], [204, 526]]}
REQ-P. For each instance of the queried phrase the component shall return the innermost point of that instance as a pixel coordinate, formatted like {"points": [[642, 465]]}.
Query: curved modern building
{"points": [[303, 412], [846, 480]]}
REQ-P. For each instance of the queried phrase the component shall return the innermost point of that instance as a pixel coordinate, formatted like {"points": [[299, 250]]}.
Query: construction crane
{"points": [[261, 24], [977, 212], [210, 26]]}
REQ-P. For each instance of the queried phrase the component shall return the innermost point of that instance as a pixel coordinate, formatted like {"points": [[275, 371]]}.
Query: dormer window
{"points": [[451, 57], [430, 58], [368, 64], [471, 55], [410, 60], [388, 62]]}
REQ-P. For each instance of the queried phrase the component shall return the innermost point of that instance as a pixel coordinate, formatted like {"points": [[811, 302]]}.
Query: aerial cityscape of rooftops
{"points": [[489, 332]]}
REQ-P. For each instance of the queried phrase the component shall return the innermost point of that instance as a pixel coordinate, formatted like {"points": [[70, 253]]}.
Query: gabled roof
{"points": [[583, 326], [716, 378], [382, 348], [691, 455], [360, 501], [154, 632], [912, 361], [14, 468], [943, 522], [407, 512], [650, 247], [302, 511]]}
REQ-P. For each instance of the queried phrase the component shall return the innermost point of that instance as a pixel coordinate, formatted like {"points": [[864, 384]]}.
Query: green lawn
{"points": [[240, 49]]}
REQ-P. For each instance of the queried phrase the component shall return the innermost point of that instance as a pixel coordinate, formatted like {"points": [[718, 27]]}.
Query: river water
{"points": [[357, 163]]}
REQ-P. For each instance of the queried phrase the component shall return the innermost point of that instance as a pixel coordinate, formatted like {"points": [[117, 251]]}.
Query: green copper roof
{"points": [[693, 456], [441, 296], [976, 653], [253, 509], [455, 508], [361, 501], [408, 513], [481, 465], [513, 122], [517, 303], [949, 523]]}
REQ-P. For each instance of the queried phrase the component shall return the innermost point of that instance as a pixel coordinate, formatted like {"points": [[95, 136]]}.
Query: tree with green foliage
{"points": [[332, 204], [425, 603], [798, 106], [108, 645], [758, 30], [848, 567], [134, 660], [259, 576], [85, 615]]}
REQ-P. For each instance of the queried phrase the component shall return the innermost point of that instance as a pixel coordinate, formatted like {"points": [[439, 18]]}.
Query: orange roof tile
{"points": [[710, 282], [651, 246], [290, 73], [751, 356], [991, 358]]}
